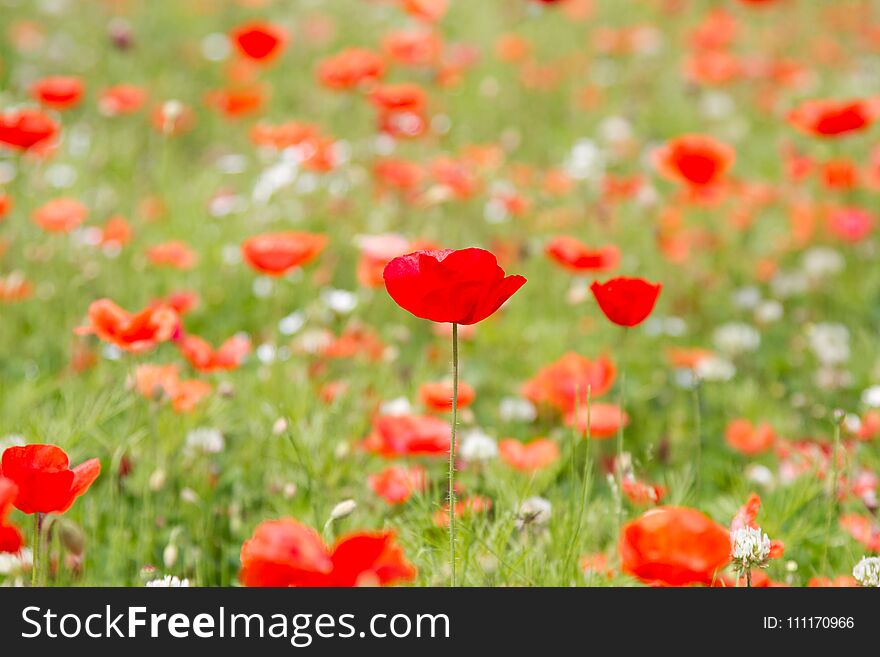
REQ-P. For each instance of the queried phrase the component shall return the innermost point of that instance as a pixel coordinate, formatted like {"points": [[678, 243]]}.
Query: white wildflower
{"points": [[534, 511], [736, 338], [205, 440], [867, 571], [516, 409], [478, 446], [829, 342], [168, 582], [749, 547]]}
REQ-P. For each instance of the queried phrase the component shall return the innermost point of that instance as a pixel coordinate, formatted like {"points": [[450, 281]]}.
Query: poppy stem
{"points": [[748, 577], [832, 490], [698, 431], [36, 545], [452, 452], [618, 461]]}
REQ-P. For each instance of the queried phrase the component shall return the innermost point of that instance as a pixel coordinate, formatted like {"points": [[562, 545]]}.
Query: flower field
{"points": [[436, 292]]}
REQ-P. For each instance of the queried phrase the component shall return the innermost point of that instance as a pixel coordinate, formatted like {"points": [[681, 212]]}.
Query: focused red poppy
{"points": [[10, 537], [574, 255], [59, 92], [830, 118], [570, 381], [532, 456], [45, 481], [60, 215], [396, 483], [26, 128], [137, 332], [748, 439], [275, 254], [674, 546], [461, 287], [259, 41], [437, 396], [287, 553], [695, 160], [626, 301], [408, 435]]}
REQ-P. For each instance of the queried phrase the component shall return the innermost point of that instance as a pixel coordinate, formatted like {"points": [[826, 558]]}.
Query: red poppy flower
{"points": [[26, 128], [574, 255], [469, 506], [10, 538], [695, 160], [748, 439], [462, 287], [61, 92], [45, 482], [174, 254], [350, 68], [437, 396], [116, 232], [413, 47], [275, 254], [841, 581], [528, 457], [121, 99], [203, 357], [832, 118], [626, 301], [427, 10], [396, 483], [863, 529], [376, 252], [137, 332], [236, 102], [163, 382], [5, 205], [604, 420], [850, 224], [288, 553], [15, 287], [408, 435], [674, 546], [259, 41], [60, 215], [641, 492], [564, 383]]}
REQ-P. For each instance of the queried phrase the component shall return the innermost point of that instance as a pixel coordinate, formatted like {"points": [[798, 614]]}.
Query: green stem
{"points": [[619, 458], [452, 452], [36, 547], [748, 577], [832, 493], [698, 430]]}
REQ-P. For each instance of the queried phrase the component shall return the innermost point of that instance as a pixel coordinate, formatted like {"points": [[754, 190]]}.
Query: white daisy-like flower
{"points": [[516, 409], [749, 547], [736, 338], [829, 342], [534, 511], [715, 369], [871, 397], [478, 446], [397, 406], [867, 572], [168, 582], [205, 440]]}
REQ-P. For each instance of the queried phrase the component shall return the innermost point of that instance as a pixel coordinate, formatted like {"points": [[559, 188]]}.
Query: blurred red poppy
{"points": [[574, 255], [437, 396], [60, 215], [137, 332], [748, 439], [604, 420], [674, 546], [45, 482], [5, 205], [26, 128], [60, 92], [259, 41], [426, 10], [695, 160], [850, 224], [275, 254], [10, 538], [396, 483], [565, 383], [532, 456], [350, 68], [174, 254], [408, 435], [288, 553], [468, 506], [830, 118], [626, 301], [203, 357], [463, 287], [121, 99]]}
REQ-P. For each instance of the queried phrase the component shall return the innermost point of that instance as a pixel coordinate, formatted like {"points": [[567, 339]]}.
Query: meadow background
{"points": [[599, 85]]}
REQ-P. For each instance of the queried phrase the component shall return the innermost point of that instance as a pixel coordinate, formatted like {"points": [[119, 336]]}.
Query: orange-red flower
{"points": [[564, 384], [161, 382], [574, 255], [408, 435], [137, 332], [59, 92], [43, 477], [863, 529], [203, 357], [833, 118], [275, 254], [469, 506], [350, 68], [60, 215], [121, 99], [287, 553], [437, 396], [26, 128], [532, 456], [396, 483], [604, 420], [694, 160], [427, 10], [626, 301], [174, 254], [259, 41], [748, 439], [674, 546], [10, 538]]}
